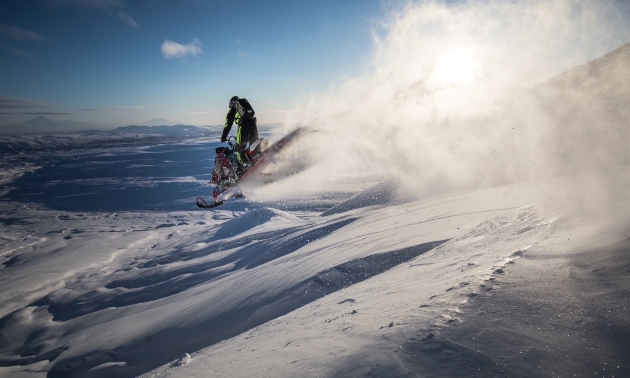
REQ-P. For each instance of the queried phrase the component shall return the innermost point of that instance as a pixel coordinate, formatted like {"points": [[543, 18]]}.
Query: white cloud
{"points": [[278, 112], [172, 49], [96, 4], [126, 18], [20, 53], [112, 108], [19, 34], [33, 113], [243, 54], [111, 7], [21, 103]]}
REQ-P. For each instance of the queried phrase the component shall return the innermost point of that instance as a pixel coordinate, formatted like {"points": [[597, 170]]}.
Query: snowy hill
{"points": [[602, 86], [598, 75]]}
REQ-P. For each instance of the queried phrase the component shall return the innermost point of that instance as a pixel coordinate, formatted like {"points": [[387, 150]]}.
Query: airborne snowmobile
{"points": [[229, 172]]}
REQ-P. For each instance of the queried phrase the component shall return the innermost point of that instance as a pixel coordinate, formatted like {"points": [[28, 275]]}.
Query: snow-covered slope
{"points": [[499, 299], [485, 239], [144, 298], [277, 293]]}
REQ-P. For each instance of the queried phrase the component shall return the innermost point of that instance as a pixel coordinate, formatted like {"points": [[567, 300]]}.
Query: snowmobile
{"points": [[229, 171]]}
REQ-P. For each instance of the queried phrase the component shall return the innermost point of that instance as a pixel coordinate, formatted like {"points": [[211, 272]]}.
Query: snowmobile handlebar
{"points": [[231, 141]]}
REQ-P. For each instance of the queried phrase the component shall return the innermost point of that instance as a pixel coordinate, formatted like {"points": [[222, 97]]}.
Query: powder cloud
{"points": [[403, 115]]}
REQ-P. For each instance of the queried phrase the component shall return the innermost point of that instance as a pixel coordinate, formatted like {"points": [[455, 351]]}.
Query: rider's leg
{"points": [[244, 138], [240, 145]]}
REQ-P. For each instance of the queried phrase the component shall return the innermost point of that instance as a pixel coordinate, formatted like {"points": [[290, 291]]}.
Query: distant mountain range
{"points": [[43, 125], [159, 122], [126, 135]]}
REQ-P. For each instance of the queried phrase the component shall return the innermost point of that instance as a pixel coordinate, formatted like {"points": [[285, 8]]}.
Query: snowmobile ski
{"points": [[204, 205]]}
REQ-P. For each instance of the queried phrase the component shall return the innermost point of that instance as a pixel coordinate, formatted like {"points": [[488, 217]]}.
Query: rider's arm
{"points": [[229, 120]]}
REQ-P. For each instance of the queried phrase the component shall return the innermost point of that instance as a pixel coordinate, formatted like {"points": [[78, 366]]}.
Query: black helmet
{"points": [[232, 101]]}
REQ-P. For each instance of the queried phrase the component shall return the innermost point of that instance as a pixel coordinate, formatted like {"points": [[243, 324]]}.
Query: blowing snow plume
{"points": [[451, 97]]}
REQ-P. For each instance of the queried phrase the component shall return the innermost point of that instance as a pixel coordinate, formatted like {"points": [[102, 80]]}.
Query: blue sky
{"points": [[123, 62]]}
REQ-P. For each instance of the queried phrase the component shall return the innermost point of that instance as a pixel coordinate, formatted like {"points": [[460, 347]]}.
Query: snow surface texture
{"points": [[359, 289], [386, 258]]}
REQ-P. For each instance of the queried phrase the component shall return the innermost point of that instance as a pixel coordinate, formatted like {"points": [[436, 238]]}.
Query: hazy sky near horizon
{"points": [[123, 61]]}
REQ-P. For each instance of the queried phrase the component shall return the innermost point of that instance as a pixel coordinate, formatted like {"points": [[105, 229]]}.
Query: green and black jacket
{"points": [[243, 126]]}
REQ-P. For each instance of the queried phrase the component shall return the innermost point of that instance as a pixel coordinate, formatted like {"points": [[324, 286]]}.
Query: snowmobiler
{"points": [[241, 112]]}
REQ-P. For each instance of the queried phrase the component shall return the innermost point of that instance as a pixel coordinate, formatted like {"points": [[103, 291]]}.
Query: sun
{"points": [[455, 68]]}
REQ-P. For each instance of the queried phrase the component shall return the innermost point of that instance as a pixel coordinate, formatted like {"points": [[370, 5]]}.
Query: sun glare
{"points": [[455, 68]]}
